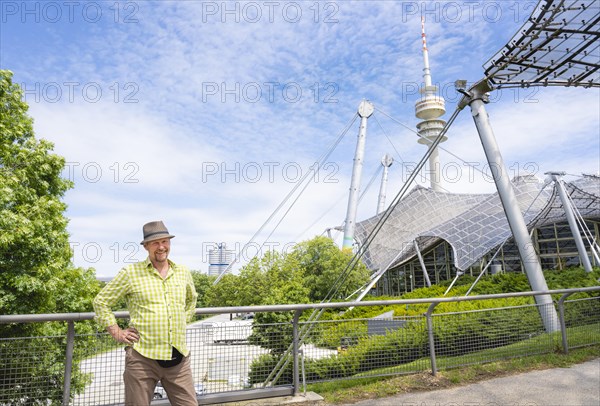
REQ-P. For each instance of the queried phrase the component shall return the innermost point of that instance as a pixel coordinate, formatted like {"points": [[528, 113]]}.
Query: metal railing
{"points": [[233, 359]]}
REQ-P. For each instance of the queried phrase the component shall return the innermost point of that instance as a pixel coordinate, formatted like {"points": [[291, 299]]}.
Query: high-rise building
{"points": [[219, 259]]}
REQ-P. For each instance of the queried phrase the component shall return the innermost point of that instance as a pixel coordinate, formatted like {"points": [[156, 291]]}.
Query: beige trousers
{"points": [[141, 375]]}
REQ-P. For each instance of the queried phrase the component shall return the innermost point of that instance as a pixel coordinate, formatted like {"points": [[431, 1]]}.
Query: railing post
{"points": [[295, 348], [301, 352], [431, 338], [68, 363], [563, 324]]}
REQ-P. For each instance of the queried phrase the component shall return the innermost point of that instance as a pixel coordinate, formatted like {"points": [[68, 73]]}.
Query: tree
{"points": [[223, 293], [285, 282], [325, 266], [305, 275], [202, 283], [36, 273], [253, 282]]}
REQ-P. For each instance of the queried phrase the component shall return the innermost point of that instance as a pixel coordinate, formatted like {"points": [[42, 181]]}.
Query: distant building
{"points": [[461, 232], [219, 259]]}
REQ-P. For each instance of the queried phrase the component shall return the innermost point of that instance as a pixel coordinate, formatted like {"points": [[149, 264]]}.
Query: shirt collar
{"points": [[148, 264]]}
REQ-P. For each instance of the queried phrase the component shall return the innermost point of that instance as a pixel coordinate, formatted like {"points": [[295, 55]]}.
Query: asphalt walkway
{"points": [[578, 385]]}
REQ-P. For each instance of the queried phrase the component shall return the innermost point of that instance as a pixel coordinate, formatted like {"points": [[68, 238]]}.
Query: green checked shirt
{"points": [[158, 308]]}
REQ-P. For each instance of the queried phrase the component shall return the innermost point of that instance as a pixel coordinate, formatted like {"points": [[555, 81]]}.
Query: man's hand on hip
{"points": [[128, 336]]}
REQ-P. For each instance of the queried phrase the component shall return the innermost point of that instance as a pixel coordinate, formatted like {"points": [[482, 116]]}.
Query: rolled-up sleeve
{"points": [[191, 297], [108, 297]]}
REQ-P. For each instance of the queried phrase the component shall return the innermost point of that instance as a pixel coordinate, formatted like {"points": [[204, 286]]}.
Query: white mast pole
{"points": [[365, 110], [386, 162], [476, 98], [562, 193]]}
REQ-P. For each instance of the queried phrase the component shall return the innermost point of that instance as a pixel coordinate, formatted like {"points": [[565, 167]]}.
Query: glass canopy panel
{"points": [[473, 225], [558, 45]]}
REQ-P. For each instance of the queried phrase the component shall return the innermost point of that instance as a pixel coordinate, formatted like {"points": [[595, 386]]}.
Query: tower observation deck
{"points": [[429, 108]]}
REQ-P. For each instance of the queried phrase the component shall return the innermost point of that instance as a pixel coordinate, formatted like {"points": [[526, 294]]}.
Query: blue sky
{"points": [[204, 114]]}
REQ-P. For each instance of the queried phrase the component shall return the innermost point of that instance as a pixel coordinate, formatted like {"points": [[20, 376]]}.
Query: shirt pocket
{"points": [[146, 293], [177, 292]]}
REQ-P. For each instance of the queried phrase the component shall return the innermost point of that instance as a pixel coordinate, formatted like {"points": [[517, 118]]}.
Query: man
{"points": [[161, 298]]}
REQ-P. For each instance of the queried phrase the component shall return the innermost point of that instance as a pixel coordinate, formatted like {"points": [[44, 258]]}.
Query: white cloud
{"points": [[185, 150]]}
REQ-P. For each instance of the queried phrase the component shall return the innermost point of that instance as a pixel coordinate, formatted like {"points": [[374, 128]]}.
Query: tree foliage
{"points": [[286, 284], [326, 270], [510, 325], [202, 283], [306, 274], [311, 271], [223, 293], [36, 273]]}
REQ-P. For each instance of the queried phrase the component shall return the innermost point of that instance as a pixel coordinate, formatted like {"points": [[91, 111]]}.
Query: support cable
{"points": [[366, 189], [338, 201], [466, 163], [316, 314], [287, 197], [387, 213], [388, 137], [412, 130], [377, 171], [503, 243], [589, 236]]}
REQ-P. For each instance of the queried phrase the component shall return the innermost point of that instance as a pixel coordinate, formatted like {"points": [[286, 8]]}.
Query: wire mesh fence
{"points": [[102, 363], [221, 354], [28, 371], [582, 322], [286, 348], [346, 349], [479, 336]]}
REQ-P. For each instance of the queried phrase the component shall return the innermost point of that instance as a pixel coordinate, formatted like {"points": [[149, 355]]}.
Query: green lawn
{"points": [[541, 352]]}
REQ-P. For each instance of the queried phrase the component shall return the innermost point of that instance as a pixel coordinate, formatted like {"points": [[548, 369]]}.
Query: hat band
{"points": [[158, 232]]}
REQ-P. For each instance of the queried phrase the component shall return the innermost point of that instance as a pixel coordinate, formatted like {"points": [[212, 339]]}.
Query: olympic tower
{"points": [[429, 108]]}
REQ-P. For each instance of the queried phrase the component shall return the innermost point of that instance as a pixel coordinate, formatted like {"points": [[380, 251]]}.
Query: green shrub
{"points": [[466, 327], [261, 368]]}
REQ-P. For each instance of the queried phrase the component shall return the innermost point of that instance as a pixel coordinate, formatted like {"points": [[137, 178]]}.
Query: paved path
{"points": [[578, 385]]}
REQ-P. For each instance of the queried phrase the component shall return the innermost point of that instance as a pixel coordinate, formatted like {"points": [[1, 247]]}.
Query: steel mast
{"points": [[365, 110], [386, 162]]}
